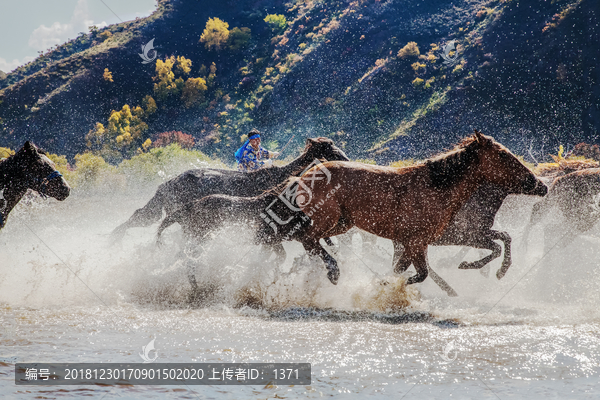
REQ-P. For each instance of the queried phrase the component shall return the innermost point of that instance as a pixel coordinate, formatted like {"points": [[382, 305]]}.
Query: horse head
{"points": [[40, 174], [497, 165], [323, 148]]}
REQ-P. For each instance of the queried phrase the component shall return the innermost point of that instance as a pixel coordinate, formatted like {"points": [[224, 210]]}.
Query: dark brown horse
{"points": [[195, 184], [577, 196], [411, 205], [472, 227], [28, 168]]}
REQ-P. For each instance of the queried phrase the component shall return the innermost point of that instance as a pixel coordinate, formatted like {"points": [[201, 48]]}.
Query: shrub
{"points": [[458, 69], [238, 38], [417, 82], [107, 75], [193, 91], [410, 50], [215, 34], [106, 35], [91, 170], [5, 152], [418, 67], [184, 140], [277, 22]]}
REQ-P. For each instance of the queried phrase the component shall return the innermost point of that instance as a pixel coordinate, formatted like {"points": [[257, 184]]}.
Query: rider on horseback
{"points": [[251, 155]]}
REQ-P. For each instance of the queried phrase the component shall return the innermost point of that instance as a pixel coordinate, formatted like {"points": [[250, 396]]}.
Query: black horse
{"points": [[28, 168], [198, 183], [271, 220]]}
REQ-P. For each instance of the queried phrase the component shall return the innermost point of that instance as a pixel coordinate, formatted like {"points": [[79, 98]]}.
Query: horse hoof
{"points": [[333, 276], [500, 274]]}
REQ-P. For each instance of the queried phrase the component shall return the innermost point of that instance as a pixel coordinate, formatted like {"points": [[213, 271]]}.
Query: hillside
{"points": [[525, 72]]}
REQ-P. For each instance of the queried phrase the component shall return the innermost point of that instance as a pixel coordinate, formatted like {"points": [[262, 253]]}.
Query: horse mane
{"points": [[448, 168]]}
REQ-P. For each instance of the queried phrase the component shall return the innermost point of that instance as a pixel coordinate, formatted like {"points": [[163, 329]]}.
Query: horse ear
{"points": [[480, 138], [28, 146], [310, 141]]}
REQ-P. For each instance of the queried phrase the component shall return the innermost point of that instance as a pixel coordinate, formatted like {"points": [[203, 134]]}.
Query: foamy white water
{"points": [[68, 295]]}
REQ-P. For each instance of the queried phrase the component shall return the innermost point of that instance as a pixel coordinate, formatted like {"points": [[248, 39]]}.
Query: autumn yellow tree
{"points": [[5, 152], [215, 34], [166, 84], [150, 105], [410, 50], [107, 75], [122, 135], [193, 91]]}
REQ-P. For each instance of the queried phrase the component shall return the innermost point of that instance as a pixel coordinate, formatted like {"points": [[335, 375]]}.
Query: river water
{"points": [[67, 294]]}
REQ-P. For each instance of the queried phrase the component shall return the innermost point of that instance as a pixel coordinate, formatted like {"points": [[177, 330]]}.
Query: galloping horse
{"points": [[411, 205], [197, 183], [28, 168], [577, 196], [472, 227], [201, 217]]}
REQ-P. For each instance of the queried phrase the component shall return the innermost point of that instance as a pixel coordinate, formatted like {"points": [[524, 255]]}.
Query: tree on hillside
{"points": [[193, 91], [410, 50], [5, 152], [122, 136], [149, 104], [165, 77], [215, 34], [107, 75], [166, 138], [239, 38], [277, 22]]}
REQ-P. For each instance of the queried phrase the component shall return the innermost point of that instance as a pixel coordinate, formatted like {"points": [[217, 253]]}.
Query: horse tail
{"points": [[168, 221]]}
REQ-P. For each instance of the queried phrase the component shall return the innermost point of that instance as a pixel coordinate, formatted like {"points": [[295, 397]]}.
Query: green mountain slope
{"points": [[523, 71]]}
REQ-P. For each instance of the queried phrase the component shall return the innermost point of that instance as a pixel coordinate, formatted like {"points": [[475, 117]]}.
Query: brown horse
{"points": [[411, 205], [28, 168], [577, 196]]}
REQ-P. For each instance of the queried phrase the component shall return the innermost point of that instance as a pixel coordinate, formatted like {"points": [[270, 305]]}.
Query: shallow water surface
{"points": [[67, 294]]}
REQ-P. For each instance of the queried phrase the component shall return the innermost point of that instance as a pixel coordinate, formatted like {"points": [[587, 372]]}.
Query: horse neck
{"points": [[464, 190], [11, 195], [268, 177], [296, 166]]}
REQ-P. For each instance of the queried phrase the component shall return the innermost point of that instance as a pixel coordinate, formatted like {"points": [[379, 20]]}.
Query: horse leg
{"points": [[314, 248], [539, 210], [279, 251], [486, 242], [419, 260], [400, 261], [142, 217], [507, 261]]}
